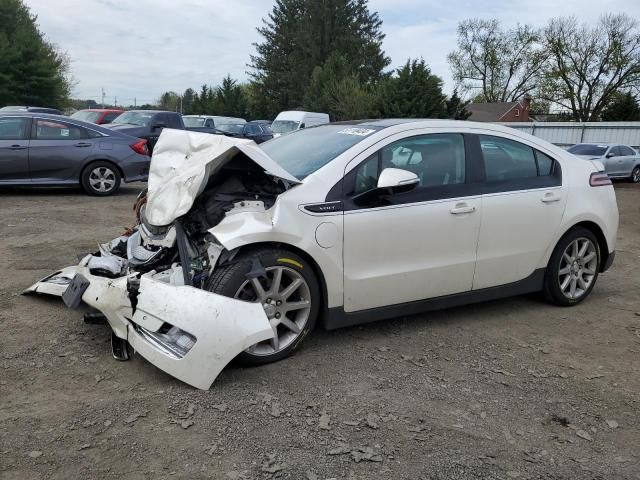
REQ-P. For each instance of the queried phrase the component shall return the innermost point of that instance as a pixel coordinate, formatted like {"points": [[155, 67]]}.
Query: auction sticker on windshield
{"points": [[361, 132]]}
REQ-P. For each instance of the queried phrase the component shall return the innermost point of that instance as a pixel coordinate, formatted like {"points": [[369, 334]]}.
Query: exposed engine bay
{"points": [[239, 186], [151, 282]]}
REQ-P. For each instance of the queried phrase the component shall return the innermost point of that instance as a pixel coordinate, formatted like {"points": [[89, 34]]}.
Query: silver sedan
{"points": [[620, 161]]}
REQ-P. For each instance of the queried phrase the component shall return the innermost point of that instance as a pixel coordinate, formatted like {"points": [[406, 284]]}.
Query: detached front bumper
{"points": [[214, 328]]}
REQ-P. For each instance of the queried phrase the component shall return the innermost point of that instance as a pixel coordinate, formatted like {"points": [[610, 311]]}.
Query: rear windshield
{"points": [[193, 122], [303, 152], [86, 116], [141, 119], [586, 149]]}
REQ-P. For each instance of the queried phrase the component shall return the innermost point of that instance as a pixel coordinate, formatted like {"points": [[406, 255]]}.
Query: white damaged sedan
{"points": [[240, 250]]}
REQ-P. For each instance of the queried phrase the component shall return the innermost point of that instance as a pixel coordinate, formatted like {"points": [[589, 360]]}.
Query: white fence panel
{"points": [[568, 133]]}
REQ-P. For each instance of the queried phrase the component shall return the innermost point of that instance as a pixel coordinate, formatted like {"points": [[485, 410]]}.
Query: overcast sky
{"points": [[141, 48]]}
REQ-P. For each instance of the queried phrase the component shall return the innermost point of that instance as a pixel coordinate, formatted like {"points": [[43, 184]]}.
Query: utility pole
{"points": [[135, 104], [115, 101], [180, 104], [103, 94]]}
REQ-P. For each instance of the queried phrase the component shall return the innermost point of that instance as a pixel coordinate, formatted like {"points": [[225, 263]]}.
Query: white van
{"points": [[291, 121]]}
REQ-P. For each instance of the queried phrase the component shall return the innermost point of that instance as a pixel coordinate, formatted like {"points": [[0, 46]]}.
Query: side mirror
{"points": [[611, 154], [158, 125], [302, 125], [397, 180]]}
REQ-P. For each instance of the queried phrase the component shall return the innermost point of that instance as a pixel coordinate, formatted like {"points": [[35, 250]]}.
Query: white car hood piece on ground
{"points": [[182, 164]]}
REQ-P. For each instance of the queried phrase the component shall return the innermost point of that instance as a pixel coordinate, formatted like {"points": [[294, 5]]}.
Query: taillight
{"points": [[598, 179], [140, 147]]}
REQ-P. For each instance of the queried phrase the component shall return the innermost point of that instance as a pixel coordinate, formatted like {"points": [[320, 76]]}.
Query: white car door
{"points": [[413, 245], [522, 207]]}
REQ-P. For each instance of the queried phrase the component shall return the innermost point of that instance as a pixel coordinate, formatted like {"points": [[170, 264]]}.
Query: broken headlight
{"points": [[170, 340]]}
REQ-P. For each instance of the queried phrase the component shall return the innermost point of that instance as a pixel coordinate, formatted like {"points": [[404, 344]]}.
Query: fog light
{"points": [[172, 341]]}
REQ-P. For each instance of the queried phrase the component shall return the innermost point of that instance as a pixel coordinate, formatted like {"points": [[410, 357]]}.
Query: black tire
{"points": [[100, 169], [552, 290], [635, 175], [229, 279]]}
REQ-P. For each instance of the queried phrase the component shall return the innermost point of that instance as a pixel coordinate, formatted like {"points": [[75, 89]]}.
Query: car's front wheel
{"points": [[100, 179], [573, 268], [285, 285], [635, 175]]}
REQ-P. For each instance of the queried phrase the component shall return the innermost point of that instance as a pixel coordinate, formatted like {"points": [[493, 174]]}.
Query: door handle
{"points": [[550, 198], [462, 208], [82, 144], [17, 147]]}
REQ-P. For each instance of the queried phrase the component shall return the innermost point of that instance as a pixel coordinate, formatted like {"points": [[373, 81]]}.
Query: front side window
{"points": [[195, 122], [13, 128], [54, 130], [437, 160]]}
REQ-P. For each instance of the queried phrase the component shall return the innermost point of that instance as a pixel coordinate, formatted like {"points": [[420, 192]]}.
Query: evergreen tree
{"points": [[188, 98], [413, 92], [455, 107], [623, 107], [336, 89], [32, 71], [300, 35], [229, 99]]}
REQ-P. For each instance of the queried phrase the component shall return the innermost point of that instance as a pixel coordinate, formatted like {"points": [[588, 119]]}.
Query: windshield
{"points": [[305, 151], [142, 119], [230, 127], [284, 126], [587, 149], [86, 116], [193, 122]]}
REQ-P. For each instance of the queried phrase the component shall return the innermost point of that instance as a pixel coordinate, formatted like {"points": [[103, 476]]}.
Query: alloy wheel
{"points": [[635, 175], [286, 299], [102, 179], [578, 267]]}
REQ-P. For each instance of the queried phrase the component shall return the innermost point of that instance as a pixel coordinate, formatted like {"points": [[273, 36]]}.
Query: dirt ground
{"points": [[506, 389]]}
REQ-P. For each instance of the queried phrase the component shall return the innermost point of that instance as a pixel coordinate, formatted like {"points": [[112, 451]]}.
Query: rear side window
{"points": [[54, 130], [506, 160], [13, 128], [626, 151]]}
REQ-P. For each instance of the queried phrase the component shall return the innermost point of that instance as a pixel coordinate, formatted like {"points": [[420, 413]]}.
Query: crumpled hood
{"points": [[183, 162]]}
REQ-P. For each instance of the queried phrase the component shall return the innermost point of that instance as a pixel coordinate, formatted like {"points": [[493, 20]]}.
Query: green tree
{"points": [[300, 35], [589, 64], [501, 65], [412, 92], [32, 70], [169, 101], [188, 98], [623, 107], [229, 99], [455, 107]]}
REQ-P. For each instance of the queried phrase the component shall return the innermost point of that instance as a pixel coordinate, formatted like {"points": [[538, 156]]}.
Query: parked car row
{"points": [[45, 149]]}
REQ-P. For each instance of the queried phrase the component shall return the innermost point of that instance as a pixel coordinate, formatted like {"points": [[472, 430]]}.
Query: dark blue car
{"points": [[42, 149]]}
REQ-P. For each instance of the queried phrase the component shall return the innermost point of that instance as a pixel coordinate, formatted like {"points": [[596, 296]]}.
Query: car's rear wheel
{"points": [[635, 175], [100, 179], [573, 268], [288, 290]]}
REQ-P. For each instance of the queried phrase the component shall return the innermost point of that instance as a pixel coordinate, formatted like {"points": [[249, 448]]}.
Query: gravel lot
{"points": [[506, 389]]}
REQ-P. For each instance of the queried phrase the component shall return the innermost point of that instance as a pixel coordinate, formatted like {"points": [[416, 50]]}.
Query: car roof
{"points": [[73, 121]]}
